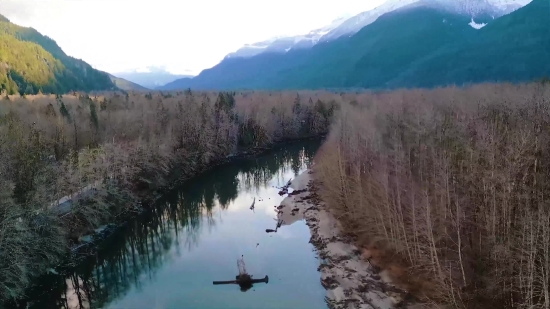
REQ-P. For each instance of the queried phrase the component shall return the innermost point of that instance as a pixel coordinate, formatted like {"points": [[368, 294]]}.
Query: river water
{"points": [[168, 257]]}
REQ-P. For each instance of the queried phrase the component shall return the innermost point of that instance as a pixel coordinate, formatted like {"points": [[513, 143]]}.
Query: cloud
{"points": [[183, 36], [16, 12]]}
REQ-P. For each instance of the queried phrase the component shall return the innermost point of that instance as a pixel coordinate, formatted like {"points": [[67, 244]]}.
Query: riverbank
{"points": [[447, 189], [191, 237], [350, 280], [90, 238]]}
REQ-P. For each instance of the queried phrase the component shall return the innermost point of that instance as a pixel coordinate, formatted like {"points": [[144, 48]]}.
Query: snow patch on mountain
{"points": [[475, 25]]}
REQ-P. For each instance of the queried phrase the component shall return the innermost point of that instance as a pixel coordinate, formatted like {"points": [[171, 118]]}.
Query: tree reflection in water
{"points": [[132, 255]]}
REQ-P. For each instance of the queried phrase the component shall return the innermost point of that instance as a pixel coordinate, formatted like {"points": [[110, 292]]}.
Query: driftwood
{"points": [[279, 223], [253, 202], [284, 189], [243, 279]]}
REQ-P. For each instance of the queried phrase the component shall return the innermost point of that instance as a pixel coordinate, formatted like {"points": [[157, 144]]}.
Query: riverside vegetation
{"points": [[447, 190], [444, 189], [186, 219], [127, 146]]}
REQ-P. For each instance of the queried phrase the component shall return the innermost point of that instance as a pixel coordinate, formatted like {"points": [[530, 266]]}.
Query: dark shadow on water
{"points": [[132, 255]]}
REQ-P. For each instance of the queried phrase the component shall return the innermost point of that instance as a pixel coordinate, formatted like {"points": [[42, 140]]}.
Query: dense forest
{"points": [[446, 189]]}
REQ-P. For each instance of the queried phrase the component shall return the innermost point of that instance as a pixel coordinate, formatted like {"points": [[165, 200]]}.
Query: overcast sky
{"points": [[183, 36]]}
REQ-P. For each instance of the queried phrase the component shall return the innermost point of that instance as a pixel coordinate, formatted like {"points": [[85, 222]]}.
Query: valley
{"points": [[394, 158]]}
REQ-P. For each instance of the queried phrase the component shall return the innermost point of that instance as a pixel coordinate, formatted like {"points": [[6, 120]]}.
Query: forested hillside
{"points": [[515, 47], [32, 63]]}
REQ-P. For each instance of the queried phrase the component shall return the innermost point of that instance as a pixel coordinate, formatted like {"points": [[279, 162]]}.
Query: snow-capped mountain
{"points": [[474, 8], [481, 12], [284, 44]]}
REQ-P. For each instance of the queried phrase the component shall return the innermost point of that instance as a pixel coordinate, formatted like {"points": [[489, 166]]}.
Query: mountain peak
{"points": [[4, 18]]}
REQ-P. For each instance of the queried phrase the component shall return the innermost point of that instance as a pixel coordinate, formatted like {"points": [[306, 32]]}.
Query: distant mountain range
{"points": [[405, 43], [152, 78], [31, 62], [402, 43], [126, 85]]}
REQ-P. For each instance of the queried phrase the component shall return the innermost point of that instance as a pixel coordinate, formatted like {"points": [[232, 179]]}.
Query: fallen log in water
{"points": [[243, 279], [248, 281]]}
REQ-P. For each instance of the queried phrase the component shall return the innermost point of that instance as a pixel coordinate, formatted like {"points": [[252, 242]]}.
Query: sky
{"points": [[182, 36]]}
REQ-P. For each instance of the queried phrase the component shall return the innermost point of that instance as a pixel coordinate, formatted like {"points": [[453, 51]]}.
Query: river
{"points": [[168, 257]]}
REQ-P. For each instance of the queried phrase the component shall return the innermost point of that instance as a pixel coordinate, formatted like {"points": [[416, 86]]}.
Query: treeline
{"points": [[125, 146], [448, 190]]}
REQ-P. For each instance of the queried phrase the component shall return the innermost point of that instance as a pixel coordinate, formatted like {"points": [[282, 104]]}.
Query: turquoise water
{"points": [[169, 257]]}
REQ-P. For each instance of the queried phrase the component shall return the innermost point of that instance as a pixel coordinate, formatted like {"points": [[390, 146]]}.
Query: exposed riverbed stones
{"points": [[350, 281]]}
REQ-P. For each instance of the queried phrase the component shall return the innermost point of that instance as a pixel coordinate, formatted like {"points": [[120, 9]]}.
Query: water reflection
{"points": [[131, 257]]}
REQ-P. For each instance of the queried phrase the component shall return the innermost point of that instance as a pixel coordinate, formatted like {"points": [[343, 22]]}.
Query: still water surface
{"points": [[169, 257]]}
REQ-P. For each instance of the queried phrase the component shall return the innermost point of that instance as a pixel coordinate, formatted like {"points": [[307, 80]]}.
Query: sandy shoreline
{"points": [[351, 282]]}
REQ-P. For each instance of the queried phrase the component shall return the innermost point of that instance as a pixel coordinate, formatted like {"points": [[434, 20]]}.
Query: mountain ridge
{"points": [[285, 43], [279, 70]]}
